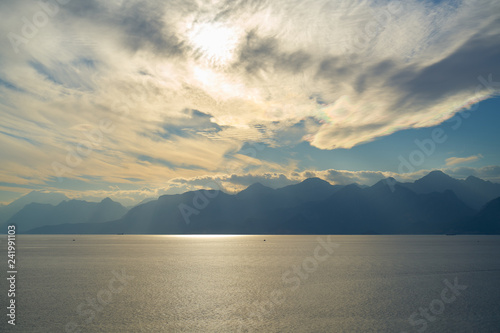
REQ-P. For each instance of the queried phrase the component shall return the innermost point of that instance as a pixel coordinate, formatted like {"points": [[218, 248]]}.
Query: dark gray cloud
{"points": [[276, 72], [457, 72], [257, 53], [143, 24], [144, 27]]}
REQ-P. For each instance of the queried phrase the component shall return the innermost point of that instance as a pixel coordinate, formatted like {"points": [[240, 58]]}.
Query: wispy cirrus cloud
{"points": [[459, 160], [186, 84]]}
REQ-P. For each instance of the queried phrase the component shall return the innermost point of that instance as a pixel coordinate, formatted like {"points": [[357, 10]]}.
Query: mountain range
{"points": [[35, 214], [7, 211], [434, 204]]}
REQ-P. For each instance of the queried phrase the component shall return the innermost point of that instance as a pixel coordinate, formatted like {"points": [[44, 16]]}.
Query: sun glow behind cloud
{"points": [[214, 42], [333, 73]]}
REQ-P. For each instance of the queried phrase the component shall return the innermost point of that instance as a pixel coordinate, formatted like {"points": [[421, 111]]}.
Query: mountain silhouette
{"points": [[430, 205], [7, 211], [36, 215], [434, 204], [487, 221], [380, 209], [474, 191]]}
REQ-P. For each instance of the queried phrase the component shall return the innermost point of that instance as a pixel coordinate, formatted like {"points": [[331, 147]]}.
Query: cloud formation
{"points": [[183, 85], [233, 183], [459, 160]]}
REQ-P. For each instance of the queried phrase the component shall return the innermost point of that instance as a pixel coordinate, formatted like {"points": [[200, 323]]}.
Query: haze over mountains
{"points": [[35, 214], [434, 204], [9, 210], [473, 191]]}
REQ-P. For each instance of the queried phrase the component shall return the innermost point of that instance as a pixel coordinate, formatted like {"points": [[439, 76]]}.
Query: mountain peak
{"points": [[106, 200], [313, 183], [386, 182], [255, 188], [437, 173], [435, 176], [314, 180], [474, 179]]}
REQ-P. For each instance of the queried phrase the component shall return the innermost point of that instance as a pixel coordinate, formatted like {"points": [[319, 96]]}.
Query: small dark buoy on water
{"points": [[73, 239]]}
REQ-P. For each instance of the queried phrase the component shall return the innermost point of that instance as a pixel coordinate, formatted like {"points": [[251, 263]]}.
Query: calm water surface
{"points": [[246, 284]]}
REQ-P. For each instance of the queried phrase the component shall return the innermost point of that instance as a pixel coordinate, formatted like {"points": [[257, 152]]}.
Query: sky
{"points": [[135, 99]]}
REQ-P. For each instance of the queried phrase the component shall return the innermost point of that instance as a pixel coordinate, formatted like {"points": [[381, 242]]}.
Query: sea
{"points": [[258, 283]]}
